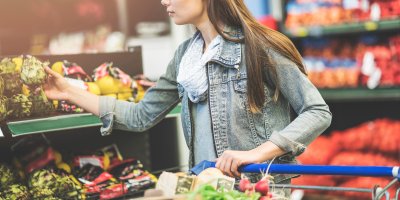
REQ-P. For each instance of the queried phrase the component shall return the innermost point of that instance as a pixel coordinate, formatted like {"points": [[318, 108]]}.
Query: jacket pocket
{"points": [[240, 85], [240, 92]]}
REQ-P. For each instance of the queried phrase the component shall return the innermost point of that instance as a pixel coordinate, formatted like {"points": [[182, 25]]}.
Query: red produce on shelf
{"points": [[319, 152], [363, 159], [380, 135], [315, 13]]}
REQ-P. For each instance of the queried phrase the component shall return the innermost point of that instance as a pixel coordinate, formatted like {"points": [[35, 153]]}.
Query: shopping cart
{"points": [[377, 192]]}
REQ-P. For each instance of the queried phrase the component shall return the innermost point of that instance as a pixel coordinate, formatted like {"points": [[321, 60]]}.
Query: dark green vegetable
{"points": [[7, 176], [207, 192], [17, 192]]}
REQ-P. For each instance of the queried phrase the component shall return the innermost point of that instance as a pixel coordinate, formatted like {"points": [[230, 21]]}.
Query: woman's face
{"points": [[186, 11]]}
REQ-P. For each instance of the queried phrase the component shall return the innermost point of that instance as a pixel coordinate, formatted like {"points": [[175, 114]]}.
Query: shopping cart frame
{"points": [[377, 192]]}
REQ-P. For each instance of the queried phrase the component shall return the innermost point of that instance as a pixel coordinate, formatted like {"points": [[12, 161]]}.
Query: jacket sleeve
{"points": [[158, 101], [313, 115]]}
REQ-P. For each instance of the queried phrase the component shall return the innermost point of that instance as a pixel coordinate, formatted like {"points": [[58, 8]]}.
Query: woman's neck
{"points": [[207, 31]]}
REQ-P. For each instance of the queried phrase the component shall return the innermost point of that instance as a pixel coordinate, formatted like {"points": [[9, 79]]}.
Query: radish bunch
{"points": [[262, 187]]}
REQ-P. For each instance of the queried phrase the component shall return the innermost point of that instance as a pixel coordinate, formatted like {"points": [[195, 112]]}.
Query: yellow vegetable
{"points": [[58, 67], [108, 85], [55, 103], [25, 90], [64, 166], [111, 95], [124, 96], [106, 162], [123, 88], [57, 157], [93, 88], [153, 178], [18, 61]]}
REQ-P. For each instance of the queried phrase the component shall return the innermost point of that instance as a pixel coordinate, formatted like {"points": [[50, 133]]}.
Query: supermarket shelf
{"points": [[342, 28], [360, 94], [57, 123], [75, 121], [175, 112], [62, 122]]}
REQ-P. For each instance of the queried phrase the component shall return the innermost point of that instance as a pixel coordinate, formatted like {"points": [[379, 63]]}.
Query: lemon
{"points": [[93, 88], [124, 96], [64, 166], [125, 89], [152, 177], [111, 95], [25, 90], [58, 67], [55, 103], [106, 161], [18, 61], [57, 157], [108, 85]]}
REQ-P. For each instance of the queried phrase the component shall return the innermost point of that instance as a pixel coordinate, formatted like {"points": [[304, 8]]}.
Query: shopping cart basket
{"points": [[377, 192]]}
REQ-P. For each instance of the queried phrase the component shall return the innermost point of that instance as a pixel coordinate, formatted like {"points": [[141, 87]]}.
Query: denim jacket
{"points": [[234, 126]]}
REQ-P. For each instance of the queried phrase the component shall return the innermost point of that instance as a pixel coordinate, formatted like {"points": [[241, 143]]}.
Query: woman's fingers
{"points": [[234, 168], [51, 72], [227, 167], [218, 163], [224, 163], [221, 162]]}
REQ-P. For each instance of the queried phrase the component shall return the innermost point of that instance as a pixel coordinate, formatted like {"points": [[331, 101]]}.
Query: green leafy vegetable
{"points": [[207, 192]]}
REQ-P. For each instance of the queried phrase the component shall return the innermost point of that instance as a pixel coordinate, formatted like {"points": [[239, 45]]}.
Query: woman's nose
{"points": [[164, 2]]}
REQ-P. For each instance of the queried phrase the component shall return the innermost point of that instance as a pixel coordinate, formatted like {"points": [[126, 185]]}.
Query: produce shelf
{"points": [[57, 123], [360, 94], [75, 121], [366, 26], [62, 122], [175, 112]]}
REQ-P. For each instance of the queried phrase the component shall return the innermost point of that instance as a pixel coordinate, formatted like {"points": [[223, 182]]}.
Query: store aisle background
{"points": [[333, 41]]}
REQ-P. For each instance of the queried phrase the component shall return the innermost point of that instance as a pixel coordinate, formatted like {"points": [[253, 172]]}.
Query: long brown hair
{"points": [[256, 38]]}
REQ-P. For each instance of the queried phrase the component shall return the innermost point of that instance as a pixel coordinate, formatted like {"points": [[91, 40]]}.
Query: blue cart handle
{"points": [[378, 171]]}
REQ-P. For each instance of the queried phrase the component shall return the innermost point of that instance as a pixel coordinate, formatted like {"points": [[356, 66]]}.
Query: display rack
{"points": [[351, 107], [358, 27], [360, 94], [78, 132], [61, 123]]}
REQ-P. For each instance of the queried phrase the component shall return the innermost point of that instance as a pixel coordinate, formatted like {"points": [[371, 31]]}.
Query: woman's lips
{"points": [[171, 13]]}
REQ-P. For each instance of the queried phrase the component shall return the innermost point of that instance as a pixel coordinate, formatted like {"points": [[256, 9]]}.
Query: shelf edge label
{"points": [[371, 26]]}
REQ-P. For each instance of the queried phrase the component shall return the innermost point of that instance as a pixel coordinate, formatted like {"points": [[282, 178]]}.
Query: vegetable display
{"points": [[207, 192], [40, 172], [373, 143]]}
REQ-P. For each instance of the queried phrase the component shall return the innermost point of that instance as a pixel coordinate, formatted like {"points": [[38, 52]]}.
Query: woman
{"points": [[244, 93]]}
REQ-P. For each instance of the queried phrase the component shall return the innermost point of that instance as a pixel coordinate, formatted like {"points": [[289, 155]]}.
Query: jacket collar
{"points": [[229, 53]]}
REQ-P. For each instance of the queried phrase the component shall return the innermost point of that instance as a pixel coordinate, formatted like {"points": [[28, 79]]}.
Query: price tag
{"points": [[370, 26], [1, 133], [184, 185], [224, 184], [301, 32]]}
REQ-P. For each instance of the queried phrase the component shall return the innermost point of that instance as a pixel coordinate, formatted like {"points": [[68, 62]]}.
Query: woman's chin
{"points": [[179, 22]]}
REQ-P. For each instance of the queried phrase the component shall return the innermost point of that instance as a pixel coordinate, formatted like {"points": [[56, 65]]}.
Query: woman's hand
{"points": [[56, 87], [230, 161]]}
